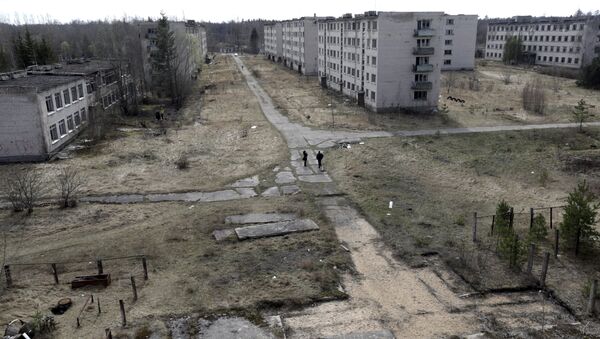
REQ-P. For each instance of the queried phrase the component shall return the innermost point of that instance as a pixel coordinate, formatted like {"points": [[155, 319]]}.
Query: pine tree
{"points": [[45, 54], [29, 49], [254, 41], [538, 230], [581, 113], [579, 216], [4, 61], [163, 57], [512, 50]]}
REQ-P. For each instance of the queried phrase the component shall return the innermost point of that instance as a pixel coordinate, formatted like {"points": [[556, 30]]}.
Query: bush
{"points": [[69, 182], [24, 187], [538, 230], [590, 75], [579, 216], [182, 162], [534, 97]]}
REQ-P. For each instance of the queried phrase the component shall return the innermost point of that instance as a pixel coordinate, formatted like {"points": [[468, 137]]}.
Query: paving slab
{"points": [[315, 178], [191, 196], [327, 144], [232, 328], [116, 199], [247, 182], [246, 192], [220, 196], [221, 235], [289, 190], [276, 169], [385, 334], [275, 229], [271, 192], [304, 170], [285, 178], [259, 218], [295, 154]]}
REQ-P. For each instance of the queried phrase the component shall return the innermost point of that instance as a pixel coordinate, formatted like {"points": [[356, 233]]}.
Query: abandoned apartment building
{"points": [[570, 42], [385, 60], [45, 107]]}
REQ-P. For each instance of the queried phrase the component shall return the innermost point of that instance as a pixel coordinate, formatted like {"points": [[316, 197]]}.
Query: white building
{"points": [[460, 35], [39, 114], [386, 60], [570, 42], [299, 48], [273, 37]]}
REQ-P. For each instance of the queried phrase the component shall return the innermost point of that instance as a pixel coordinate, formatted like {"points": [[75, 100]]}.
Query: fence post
{"points": [[592, 300], [100, 269], [474, 226], [544, 269], [8, 276], [530, 218], [99, 310], [530, 258], [493, 222], [78, 324], [135, 296], [511, 217], [145, 266], [551, 208], [108, 333], [123, 318], [556, 235], [55, 274]]}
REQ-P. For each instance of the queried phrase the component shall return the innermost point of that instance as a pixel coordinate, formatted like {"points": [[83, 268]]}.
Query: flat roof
{"points": [[86, 67], [519, 20], [41, 82]]}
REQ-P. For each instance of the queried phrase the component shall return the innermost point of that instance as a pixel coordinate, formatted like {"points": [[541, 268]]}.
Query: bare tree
{"points": [[69, 182], [534, 96], [507, 76], [474, 83], [24, 187], [450, 80]]}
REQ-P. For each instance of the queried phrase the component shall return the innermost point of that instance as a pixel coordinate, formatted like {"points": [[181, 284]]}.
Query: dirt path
{"points": [[387, 298]]}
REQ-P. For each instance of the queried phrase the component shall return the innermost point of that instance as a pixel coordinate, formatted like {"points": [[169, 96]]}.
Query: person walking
{"points": [[320, 160], [304, 157]]}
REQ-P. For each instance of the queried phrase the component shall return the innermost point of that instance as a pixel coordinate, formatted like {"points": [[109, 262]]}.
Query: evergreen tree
{"points": [[590, 75], [29, 49], [538, 230], [581, 113], [43, 51], [164, 57], [19, 48], [4, 61], [254, 41], [512, 50], [579, 216]]}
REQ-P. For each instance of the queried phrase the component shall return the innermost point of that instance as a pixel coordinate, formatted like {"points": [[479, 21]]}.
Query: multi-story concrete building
{"points": [[385, 60], [299, 48], [273, 36], [570, 42], [190, 42], [460, 35], [40, 114]]}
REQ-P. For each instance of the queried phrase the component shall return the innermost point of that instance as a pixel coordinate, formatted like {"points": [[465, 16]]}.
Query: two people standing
{"points": [[320, 157]]}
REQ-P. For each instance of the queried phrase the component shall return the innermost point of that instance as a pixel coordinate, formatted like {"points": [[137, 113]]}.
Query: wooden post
{"points": [[145, 266], [134, 288], [78, 324], [544, 269], [99, 309], [55, 272], [8, 276], [493, 222], [475, 227], [108, 333], [123, 318], [556, 242], [513, 254], [530, 218], [592, 301], [577, 241], [92, 298], [100, 269], [511, 217], [551, 208], [530, 258]]}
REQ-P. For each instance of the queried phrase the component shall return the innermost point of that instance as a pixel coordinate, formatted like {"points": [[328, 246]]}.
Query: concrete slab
{"points": [[220, 196], [221, 235], [295, 155], [285, 178], [246, 192], [304, 170], [276, 169], [275, 229], [271, 192], [289, 190], [383, 334], [247, 182], [327, 144], [287, 169], [115, 199], [230, 328], [315, 178], [259, 218]]}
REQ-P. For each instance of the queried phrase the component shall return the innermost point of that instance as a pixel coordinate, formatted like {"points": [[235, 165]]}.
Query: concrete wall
{"points": [[310, 46], [463, 39], [21, 136]]}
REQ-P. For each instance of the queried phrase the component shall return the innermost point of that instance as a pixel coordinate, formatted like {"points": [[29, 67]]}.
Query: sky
{"points": [[31, 11]]}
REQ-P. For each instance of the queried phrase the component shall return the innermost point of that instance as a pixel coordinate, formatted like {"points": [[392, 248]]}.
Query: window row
{"points": [[540, 38], [110, 99], [538, 48], [554, 27], [371, 25], [64, 98], [68, 125]]}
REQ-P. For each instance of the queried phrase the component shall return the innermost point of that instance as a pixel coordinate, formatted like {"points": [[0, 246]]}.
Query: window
{"points": [[49, 104], [449, 32], [448, 42], [83, 115], [448, 52], [80, 87], [77, 119], [449, 21], [74, 93], [420, 95], [374, 41], [375, 25], [62, 128], [372, 95], [58, 100], [53, 133], [67, 97], [70, 123], [374, 61], [373, 77], [420, 77], [423, 24], [576, 61], [447, 62]]}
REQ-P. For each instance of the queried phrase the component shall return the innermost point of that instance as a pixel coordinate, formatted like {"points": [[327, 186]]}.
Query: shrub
{"points": [[24, 187], [590, 75], [69, 182], [534, 97], [538, 230], [182, 162], [579, 216]]}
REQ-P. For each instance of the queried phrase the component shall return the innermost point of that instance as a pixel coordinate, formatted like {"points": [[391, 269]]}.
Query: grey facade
{"points": [[570, 42], [40, 114], [460, 37], [299, 48], [273, 37]]}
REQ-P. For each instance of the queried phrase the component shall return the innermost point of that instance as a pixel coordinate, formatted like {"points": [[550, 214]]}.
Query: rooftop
{"points": [[39, 82], [84, 68], [527, 19]]}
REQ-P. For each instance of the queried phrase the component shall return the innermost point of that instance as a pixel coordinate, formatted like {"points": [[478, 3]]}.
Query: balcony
{"points": [[421, 33], [423, 50], [422, 85], [423, 68]]}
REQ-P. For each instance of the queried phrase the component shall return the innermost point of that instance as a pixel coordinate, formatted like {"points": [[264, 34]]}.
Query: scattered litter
{"points": [[388, 214], [532, 172], [349, 146], [320, 260], [191, 207], [391, 204], [253, 127], [361, 143], [274, 277], [345, 248]]}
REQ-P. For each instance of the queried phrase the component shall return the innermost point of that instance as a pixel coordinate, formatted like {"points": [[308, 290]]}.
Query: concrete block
{"points": [[259, 218], [275, 229]]}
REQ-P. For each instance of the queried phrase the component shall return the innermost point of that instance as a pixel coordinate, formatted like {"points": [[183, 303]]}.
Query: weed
{"points": [[182, 162]]}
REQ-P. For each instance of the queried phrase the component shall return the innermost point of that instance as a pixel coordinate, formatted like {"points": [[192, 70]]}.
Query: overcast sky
{"points": [[225, 10]]}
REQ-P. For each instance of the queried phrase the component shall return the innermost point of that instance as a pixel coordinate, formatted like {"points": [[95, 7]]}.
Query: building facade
{"points": [[460, 35], [40, 114], [385, 60], [299, 48], [570, 42], [273, 37]]}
